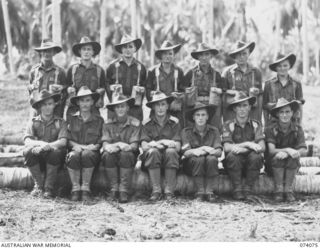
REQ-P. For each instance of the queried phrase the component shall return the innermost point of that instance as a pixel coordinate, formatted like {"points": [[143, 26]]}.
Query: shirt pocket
{"points": [[54, 133], [92, 136]]}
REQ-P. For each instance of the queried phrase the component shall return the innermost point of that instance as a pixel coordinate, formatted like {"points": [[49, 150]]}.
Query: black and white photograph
{"points": [[159, 121]]}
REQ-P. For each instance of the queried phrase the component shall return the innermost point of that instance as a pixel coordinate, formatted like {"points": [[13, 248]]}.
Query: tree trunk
{"points": [[211, 22], [103, 33], [56, 21], [133, 7], [8, 34], [152, 45], [43, 19], [305, 47], [278, 33], [139, 32]]}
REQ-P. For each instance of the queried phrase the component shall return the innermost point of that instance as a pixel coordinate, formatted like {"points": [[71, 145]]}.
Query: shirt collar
{"points": [[205, 131], [208, 71], [51, 66], [92, 65], [134, 61], [153, 118], [172, 68], [39, 118], [128, 121], [249, 68], [289, 81], [248, 122], [292, 127], [92, 117]]}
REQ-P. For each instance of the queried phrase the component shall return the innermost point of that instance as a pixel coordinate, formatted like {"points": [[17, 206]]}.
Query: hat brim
{"points": [[250, 45], [94, 95], [175, 49], [169, 99], [211, 109], [195, 54], [130, 102], [293, 104], [56, 49], [291, 58], [95, 45], [137, 43], [252, 100], [56, 97]]}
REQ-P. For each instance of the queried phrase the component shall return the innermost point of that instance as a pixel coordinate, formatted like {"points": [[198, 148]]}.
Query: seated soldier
{"points": [[286, 144], [120, 137], [243, 142], [45, 141], [84, 141], [160, 141], [201, 147]]}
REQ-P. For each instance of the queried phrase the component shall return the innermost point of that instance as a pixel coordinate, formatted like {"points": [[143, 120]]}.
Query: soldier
{"points": [[282, 86], [47, 75], [120, 137], [45, 141], [286, 145], [242, 76], [160, 141], [84, 137], [206, 79], [201, 147], [85, 73], [129, 73], [167, 78], [243, 143]]}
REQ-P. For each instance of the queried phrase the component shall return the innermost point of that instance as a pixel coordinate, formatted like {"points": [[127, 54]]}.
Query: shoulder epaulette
{"points": [[174, 119], [273, 79], [144, 122]]}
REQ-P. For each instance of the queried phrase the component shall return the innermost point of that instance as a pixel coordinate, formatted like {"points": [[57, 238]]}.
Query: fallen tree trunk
{"points": [[20, 178]]}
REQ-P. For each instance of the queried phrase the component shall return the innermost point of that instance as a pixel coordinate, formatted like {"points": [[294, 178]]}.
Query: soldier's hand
{"points": [[125, 147], [46, 147], [239, 150], [153, 144], [91, 147], [208, 149], [255, 147], [281, 155], [111, 148], [199, 152], [293, 153], [171, 144], [36, 150], [77, 148], [160, 146]]}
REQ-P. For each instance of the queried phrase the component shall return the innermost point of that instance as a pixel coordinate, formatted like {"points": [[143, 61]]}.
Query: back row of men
{"points": [[200, 84]]}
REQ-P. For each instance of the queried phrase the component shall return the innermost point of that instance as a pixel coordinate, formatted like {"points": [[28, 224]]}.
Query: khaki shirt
{"points": [[192, 139], [85, 132], [127, 75], [235, 134], [128, 132], [151, 130], [48, 131]]}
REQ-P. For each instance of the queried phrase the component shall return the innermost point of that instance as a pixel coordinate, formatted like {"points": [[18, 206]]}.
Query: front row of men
{"points": [[86, 140]]}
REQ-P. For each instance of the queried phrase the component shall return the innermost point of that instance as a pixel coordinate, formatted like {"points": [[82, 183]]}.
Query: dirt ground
{"points": [[23, 218]]}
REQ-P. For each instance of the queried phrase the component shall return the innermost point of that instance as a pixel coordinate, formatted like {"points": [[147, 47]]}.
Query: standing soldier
{"points": [[85, 73], [201, 147], [120, 137], [160, 142], [47, 75], [242, 76], [286, 144], [84, 137], [128, 75], [207, 81], [243, 142], [282, 86], [167, 78], [45, 141]]}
